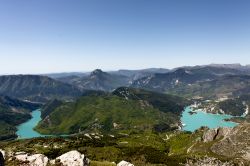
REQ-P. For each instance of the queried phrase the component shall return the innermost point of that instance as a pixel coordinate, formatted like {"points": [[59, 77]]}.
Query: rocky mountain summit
{"points": [[97, 80]]}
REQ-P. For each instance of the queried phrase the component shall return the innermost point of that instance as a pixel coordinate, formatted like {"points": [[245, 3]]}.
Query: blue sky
{"points": [[42, 36]]}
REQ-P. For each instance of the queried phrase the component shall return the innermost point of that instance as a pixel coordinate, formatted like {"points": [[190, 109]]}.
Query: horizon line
{"points": [[113, 70]]}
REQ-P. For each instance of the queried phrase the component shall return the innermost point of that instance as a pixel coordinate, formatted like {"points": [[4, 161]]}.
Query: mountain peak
{"points": [[233, 65], [96, 72]]}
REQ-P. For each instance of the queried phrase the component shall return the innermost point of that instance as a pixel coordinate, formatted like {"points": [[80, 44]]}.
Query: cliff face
{"points": [[215, 134], [235, 143], [230, 142]]}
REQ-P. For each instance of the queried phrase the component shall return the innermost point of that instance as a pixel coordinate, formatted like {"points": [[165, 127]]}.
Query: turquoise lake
{"points": [[192, 122], [195, 121], [26, 130]]}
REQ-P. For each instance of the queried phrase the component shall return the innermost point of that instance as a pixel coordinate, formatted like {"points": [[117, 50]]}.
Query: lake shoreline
{"points": [[191, 122], [26, 129]]}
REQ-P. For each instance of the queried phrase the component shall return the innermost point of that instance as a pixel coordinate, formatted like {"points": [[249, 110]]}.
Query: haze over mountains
{"points": [[180, 81]]}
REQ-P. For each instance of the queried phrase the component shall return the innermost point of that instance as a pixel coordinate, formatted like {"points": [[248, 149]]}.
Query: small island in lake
{"points": [[192, 112]]}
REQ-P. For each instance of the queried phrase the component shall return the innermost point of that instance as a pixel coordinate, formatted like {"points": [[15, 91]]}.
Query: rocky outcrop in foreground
{"points": [[235, 144], [230, 142], [72, 158], [32, 160], [208, 161], [1, 159], [215, 134], [124, 163]]}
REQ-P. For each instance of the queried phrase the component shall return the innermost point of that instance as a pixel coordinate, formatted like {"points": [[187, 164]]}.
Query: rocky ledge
{"points": [[230, 142], [216, 134], [72, 158], [207, 161]]}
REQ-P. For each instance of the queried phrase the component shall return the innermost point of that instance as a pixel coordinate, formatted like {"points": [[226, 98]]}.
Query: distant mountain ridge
{"points": [[184, 76], [65, 74], [36, 88], [232, 66], [156, 79], [137, 74], [97, 80], [43, 88], [226, 86], [125, 72], [110, 80], [236, 66]]}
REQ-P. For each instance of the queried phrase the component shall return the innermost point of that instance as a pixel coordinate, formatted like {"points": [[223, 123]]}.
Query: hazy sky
{"points": [[41, 36]]}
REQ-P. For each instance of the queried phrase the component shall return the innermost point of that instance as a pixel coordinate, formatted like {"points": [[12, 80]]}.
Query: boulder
{"points": [[1, 159], [234, 144], [21, 156], [3, 153], [215, 134], [124, 163], [38, 160], [223, 132], [73, 158], [209, 135], [32, 160]]}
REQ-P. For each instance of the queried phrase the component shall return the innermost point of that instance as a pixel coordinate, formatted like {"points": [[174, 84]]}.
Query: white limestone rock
{"points": [[1, 159], [3, 153], [215, 134], [32, 160], [73, 158], [210, 135], [124, 163]]}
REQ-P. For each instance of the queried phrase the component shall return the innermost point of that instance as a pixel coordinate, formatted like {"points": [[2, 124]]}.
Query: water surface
{"points": [[200, 118], [26, 130]]}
